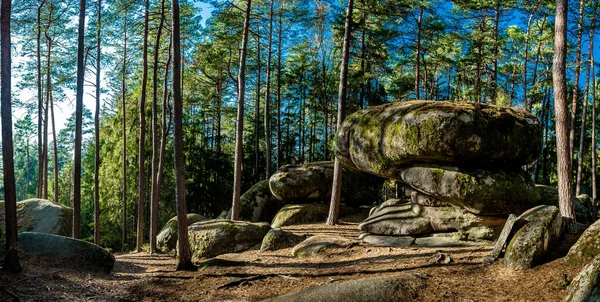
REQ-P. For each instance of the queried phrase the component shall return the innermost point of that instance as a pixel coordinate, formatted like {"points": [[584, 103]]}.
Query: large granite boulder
{"points": [[383, 140], [215, 237], [277, 239], [582, 204], [65, 252], [537, 231], [587, 246], [398, 218], [585, 287], [395, 288], [480, 192], [258, 203], [313, 181], [167, 237], [294, 214], [41, 216]]}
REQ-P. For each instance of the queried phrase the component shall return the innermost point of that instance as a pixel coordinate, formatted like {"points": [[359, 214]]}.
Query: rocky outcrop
{"points": [[587, 246], [313, 181], [215, 237], [294, 214], [537, 231], [65, 252], [321, 245], [389, 288], [258, 203], [277, 239], [585, 286], [167, 237]]}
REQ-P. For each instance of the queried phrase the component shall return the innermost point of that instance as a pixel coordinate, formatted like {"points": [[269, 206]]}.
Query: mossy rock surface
{"points": [[65, 252], [258, 203], [215, 237], [167, 237], [385, 139], [587, 246], [481, 192], [585, 286], [400, 287], [277, 239], [41, 216], [537, 231], [582, 204], [313, 182], [294, 214], [321, 245]]}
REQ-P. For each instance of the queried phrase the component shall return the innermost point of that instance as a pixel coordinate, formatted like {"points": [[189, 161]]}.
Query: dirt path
{"points": [[253, 276]]}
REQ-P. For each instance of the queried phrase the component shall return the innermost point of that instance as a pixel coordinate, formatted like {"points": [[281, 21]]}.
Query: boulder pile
{"points": [[461, 164]]}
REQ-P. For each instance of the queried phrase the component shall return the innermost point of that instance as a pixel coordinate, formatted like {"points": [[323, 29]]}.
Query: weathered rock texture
{"points": [[585, 286], [65, 252], [167, 238], [321, 245], [277, 239], [582, 204], [41, 216], [587, 246], [215, 237], [294, 214], [258, 203]]}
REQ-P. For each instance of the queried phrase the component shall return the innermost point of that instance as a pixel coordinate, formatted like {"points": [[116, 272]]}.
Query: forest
{"points": [[134, 112]]}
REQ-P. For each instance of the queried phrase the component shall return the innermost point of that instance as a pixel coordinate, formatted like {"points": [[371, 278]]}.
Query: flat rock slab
{"points": [[390, 288], [539, 230], [65, 252], [383, 140], [294, 214], [321, 245], [220, 236], [379, 240], [584, 286], [502, 240]]}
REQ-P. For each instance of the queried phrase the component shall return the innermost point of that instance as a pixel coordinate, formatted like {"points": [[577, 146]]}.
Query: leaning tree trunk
{"points": [[142, 142], [239, 139], [559, 80], [337, 169], [183, 248]]}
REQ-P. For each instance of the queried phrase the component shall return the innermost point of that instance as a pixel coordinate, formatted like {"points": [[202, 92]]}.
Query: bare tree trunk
{"points": [[183, 248], [584, 113], [124, 133], [576, 79], [594, 147], [155, 155], [565, 196], [257, 105], [56, 193], [97, 130], [239, 133], [337, 170], [496, 53], [267, 117], [142, 142], [40, 98], [525, 105], [279, 45], [417, 55], [11, 258]]}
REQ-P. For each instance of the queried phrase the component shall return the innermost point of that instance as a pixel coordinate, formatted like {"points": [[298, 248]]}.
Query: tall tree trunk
{"points": [[257, 105], [576, 78], [337, 170], [40, 98], [11, 258], [124, 134], [525, 101], [584, 113], [56, 193], [496, 53], [183, 248], [279, 45], [267, 117], [97, 131], [48, 105], [417, 56], [45, 142], [239, 133], [142, 142], [594, 147], [559, 80], [155, 155]]}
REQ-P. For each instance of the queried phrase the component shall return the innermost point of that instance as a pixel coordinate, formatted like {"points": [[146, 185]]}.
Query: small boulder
{"points": [[65, 252], [585, 285], [258, 203], [582, 204], [313, 182], [277, 239], [480, 192], [401, 287], [587, 246], [321, 245], [215, 237], [538, 230], [294, 214], [167, 237]]}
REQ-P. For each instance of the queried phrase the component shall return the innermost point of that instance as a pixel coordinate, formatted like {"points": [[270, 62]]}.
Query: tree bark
{"points": [[239, 133], [576, 78], [97, 130], [124, 133], [78, 121], [594, 147], [257, 105], [11, 258], [142, 142], [267, 114], [337, 170], [183, 248], [40, 97], [559, 80], [279, 44], [417, 56]]}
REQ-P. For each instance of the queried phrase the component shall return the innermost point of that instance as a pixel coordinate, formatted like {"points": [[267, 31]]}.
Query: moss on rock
{"points": [[294, 214], [277, 239], [321, 245], [587, 246], [167, 237], [585, 286], [215, 237], [41, 216]]}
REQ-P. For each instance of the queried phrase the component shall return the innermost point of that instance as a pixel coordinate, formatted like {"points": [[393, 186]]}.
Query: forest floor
{"points": [[254, 276]]}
